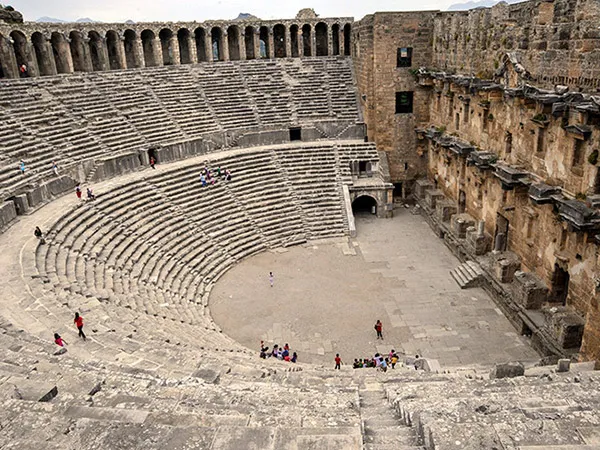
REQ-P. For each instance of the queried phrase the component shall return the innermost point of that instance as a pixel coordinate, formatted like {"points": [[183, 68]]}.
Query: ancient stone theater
{"points": [[302, 234]]}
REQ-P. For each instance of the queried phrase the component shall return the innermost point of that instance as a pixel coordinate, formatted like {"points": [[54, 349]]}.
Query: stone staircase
{"points": [[467, 275], [382, 428]]}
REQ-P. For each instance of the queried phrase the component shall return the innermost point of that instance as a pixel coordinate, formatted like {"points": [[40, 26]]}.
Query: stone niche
{"points": [[532, 292], [460, 223], [566, 326]]}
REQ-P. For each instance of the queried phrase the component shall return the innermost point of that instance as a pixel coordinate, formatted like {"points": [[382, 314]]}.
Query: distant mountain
{"points": [[245, 16], [47, 19], [477, 4]]}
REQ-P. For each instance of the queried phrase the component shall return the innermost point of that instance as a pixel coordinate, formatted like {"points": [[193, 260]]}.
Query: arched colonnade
{"points": [[62, 51]]}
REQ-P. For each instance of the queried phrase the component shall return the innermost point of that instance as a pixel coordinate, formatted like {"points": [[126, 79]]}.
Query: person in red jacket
{"points": [[79, 324], [379, 328], [338, 361], [58, 340]]}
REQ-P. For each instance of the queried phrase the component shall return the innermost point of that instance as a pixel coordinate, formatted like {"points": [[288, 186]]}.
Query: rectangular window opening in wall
{"points": [[295, 134], [466, 113], [578, 152], [404, 57], [508, 148], [539, 148], [404, 102]]}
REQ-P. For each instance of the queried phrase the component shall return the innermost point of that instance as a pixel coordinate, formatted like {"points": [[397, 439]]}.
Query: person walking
{"points": [[55, 168], [78, 192], [58, 340], [152, 162], [379, 328], [79, 324], [39, 235], [394, 360], [271, 279], [22, 167], [338, 361]]}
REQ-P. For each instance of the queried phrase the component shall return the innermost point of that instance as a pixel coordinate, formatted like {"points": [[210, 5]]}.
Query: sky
{"points": [[200, 10]]}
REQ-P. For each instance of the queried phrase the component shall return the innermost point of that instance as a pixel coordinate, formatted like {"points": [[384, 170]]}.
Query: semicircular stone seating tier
{"points": [[79, 117], [158, 242]]}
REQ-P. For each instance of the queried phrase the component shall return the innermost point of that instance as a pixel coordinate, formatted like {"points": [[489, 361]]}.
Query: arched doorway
{"points": [[20, 48], [279, 42], [347, 31], [321, 38], [77, 51], [183, 39], [249, 41], [45, 64], [61, 52], [217, 43], [306, 38], [131, 57], [294, 41], [233, 42], [560, 285], [364, 205], [96, 51], [263, 37], [200, 37], [166, 44], [114, 54], [335, 39], [148, 48]]}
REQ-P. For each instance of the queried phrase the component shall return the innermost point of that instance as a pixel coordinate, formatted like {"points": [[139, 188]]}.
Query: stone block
{"points": [[532, 291], [432, 196], [421, 186], [505, 269], [563, 365], [60, 185], [459, 224], [8, 213], [445, 209], [479, 244], [567, 327], [21, 204], [37, 195], [507, 370]]}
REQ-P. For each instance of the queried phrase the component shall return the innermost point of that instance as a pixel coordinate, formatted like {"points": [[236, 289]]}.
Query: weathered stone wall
{"points": [[558, 41], [377, 38], [509, 127]]}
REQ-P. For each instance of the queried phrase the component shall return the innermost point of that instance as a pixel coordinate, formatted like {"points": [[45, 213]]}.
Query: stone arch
{"points": [[347, 39], [306, 40], [21, 49], [166, 44], [113, 41], [335, 39], [321, 38], [45, 64], [364, 204], [130, 45], [183, 39], [249, 41], [8, 63], [61, 52], [77, 47], [216, 39], [263, 40], [233, 42], [148, 38], [279, 41], [294, 41], [200, 38], [97, 51]]}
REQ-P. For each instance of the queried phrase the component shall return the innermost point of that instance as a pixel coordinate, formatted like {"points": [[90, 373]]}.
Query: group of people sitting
{"points": [[209, 177], [383, 362], [282, 353]]}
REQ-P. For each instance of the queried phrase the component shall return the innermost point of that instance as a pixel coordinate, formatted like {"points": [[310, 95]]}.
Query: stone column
{"points": [[300, 43], [138, 52], [87, 56], [208, 47], [313, 42], [67, 55], [288, 42], [225, 47], [48, 56], [480, 228], [341, 41], [176, 57], [271, 40], [257, 43], [121, 58], [157, 50], [193, 49], [9, 60], [103, 54], [242, 45], [329, 41]]}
